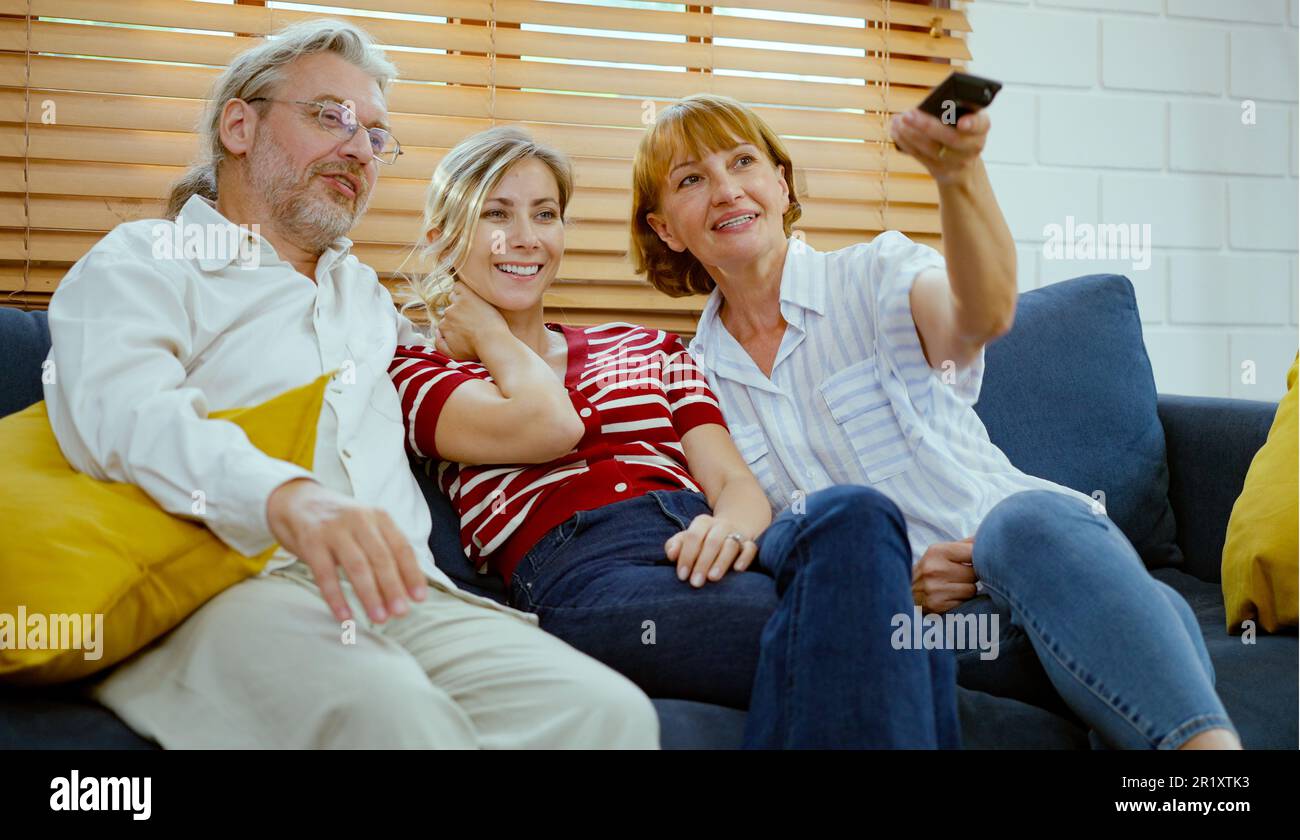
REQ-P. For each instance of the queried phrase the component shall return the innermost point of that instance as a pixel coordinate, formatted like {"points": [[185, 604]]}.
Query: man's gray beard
{"points": [[309, 221]]}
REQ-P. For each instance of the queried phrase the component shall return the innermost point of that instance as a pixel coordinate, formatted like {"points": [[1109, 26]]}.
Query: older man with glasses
{"points": [[146, 343]]}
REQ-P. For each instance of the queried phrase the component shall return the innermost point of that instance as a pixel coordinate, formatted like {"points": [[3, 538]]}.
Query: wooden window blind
{"points": [[99, 98]]}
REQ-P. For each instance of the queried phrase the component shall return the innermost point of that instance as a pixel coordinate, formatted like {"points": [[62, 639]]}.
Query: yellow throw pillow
{"points": [[73, 548], [1260, 552]]}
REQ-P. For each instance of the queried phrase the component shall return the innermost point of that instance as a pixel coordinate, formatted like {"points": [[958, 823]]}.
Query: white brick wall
{"points": [[1211, 138], [1130, 112], [1260, 58], [1161, 54]]}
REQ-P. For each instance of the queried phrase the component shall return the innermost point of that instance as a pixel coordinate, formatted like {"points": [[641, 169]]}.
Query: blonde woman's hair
{"points": [[255, 73], [457, 191], [696, 126]]}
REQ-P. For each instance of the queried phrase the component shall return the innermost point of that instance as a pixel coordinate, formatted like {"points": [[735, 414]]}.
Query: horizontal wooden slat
{"points": [[702, 25], [256, 20], [642, 297], [88, 74], [222, 19], [915, 14], [259, 19], [158, 45], [42, 280], [900, 11], [25, 302], [216, 50], [77, 39], [472, 9], [518, 42]]}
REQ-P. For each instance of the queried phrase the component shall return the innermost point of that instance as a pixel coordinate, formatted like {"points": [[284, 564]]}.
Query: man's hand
{"points": [[326, 529], [703, 551], [466, 320], [945, 577]]}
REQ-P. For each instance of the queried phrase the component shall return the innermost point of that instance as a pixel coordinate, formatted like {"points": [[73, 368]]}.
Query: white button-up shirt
{"points": [[147, 341], [851, 399]]}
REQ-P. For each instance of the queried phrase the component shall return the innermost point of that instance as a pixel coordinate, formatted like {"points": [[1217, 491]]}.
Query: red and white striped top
{"points": [[637, 392]]}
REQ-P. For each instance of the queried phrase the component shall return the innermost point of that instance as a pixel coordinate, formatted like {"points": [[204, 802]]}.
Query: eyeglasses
{"points": [[341, 121]]}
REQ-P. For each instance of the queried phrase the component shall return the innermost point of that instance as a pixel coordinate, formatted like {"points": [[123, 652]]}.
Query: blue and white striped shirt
{"points": [[851, 399]]}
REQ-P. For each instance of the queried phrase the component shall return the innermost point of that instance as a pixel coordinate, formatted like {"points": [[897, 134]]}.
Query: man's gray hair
{"points": [[254, 73]]}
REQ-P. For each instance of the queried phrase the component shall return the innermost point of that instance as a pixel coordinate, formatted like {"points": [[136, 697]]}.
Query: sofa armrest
{"points": [[1210, 443]]}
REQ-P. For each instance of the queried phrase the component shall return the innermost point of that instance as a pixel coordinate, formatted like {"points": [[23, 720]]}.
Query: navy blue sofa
{"points": [[1068, 395]]}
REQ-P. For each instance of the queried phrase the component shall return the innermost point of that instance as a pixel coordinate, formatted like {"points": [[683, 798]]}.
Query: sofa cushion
{"points": [[1210, 443], [78, 547], [24, 344], [67, 718], [1069, 396], [62, 718], [1257, 682], [987, 722], [1260, 550]]}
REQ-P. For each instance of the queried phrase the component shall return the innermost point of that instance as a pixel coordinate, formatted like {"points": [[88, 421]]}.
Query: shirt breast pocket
{"points": [[859, 405]]}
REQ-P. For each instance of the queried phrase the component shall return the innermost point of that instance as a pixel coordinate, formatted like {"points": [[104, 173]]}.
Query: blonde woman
{"points": [[828, 368], [593, 471]]}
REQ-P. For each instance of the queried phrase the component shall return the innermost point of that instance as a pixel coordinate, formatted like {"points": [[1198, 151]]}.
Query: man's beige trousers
{"points": [[265, 665]]}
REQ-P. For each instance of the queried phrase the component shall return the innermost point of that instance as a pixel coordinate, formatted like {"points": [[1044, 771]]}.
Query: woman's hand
{"points": [[467, 320], [944, 577], [705, 551], [947, 151]]}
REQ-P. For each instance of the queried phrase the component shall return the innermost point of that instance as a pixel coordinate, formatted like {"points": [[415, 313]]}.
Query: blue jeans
{"points": [[802, 639], [1085, 630]]}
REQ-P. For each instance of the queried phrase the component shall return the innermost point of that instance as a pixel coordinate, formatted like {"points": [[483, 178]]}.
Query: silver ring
{"points": [[738, 537]]}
